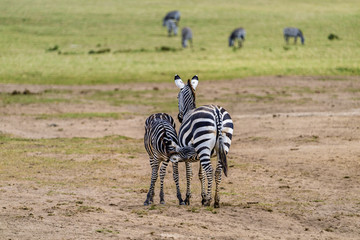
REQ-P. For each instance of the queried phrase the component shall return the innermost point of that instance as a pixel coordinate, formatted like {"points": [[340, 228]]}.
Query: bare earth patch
{"points": [[294, 165]]}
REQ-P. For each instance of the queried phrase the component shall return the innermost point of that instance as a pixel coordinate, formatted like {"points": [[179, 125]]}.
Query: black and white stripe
{"points": [[161, 143], [293, 32], [237, 35], [209, 130]]}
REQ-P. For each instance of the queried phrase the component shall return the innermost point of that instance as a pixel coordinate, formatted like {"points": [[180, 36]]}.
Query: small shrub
{"points": [[100, 51], [333, 36]]}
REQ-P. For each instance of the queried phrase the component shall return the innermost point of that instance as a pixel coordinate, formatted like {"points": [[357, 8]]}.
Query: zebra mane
{"points": [[192, 90]]}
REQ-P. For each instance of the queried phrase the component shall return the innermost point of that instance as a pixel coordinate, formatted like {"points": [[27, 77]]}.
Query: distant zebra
{"points": [[239, 35], [293, 32], [208, 129], [186, 35], [161, 143], [171, 21]]}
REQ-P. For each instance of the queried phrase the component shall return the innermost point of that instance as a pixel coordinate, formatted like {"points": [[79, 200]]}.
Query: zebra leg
{"points": [[295, 39], [286, 39], [176, 180], [154, 175], [217, 181], [162, 176], [202, 180], [206, 165], [188, 182]]}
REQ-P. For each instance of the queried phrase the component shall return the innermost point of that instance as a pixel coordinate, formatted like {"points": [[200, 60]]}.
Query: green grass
{"points": [[133, 32]]}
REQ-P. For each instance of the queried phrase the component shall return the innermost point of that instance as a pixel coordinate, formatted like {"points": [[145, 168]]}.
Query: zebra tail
{"points": [[221, 153], [222, 156]]}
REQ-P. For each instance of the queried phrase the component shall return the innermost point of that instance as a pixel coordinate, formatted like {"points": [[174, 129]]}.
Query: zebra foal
{"points": [[161, 143], [209, 130]]}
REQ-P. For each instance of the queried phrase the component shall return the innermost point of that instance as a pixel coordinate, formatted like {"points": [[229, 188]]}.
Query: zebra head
{"points": [[186, 96], [177, 153], [301, 37], [231, 42], [183, 154]]}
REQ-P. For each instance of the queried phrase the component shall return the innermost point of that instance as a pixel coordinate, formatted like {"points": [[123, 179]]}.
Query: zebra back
{"points": [[160, 116], [238, 33], [292, 32]]}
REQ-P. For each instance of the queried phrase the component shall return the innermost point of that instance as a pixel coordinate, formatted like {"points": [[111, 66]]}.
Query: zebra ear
{"points": [[194, 81], [179, 83]]}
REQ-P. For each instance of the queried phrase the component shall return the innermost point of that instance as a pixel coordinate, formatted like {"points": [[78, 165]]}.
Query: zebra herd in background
{"points": [[205, 132], [171, 21]]}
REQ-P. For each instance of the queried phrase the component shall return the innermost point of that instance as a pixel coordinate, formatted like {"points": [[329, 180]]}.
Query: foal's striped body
{"points": [[161, 143]]}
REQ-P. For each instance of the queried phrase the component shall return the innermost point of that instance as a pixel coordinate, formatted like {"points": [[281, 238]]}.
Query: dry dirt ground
{"points": [[294, 166]]}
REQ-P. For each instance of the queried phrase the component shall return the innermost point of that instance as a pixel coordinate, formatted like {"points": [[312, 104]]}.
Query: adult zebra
{"points": [[208, 129], [186, 35], [161, 143], [293, 32], [239, 35]]}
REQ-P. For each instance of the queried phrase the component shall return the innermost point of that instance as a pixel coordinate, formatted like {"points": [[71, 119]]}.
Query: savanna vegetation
{"points": [[93, 42], [72, 160]]}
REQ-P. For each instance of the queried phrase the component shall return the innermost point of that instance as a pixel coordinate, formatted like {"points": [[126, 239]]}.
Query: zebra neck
{"points": [[188, 113]]}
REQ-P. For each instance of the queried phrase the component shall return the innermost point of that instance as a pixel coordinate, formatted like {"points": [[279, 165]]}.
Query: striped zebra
{"points": [[186, 35], [171, 21], [161, 143], [239, 35], [209, 130], [293, 32]]}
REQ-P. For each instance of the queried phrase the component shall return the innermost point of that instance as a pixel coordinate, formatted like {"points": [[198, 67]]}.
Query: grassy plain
{"points": [[133, 32]]}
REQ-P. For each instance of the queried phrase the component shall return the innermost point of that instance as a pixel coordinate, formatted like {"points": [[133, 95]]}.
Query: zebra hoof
{"points": [[162, 202], [182, 203], [216, 205], [207, 203], [146, 203]]}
